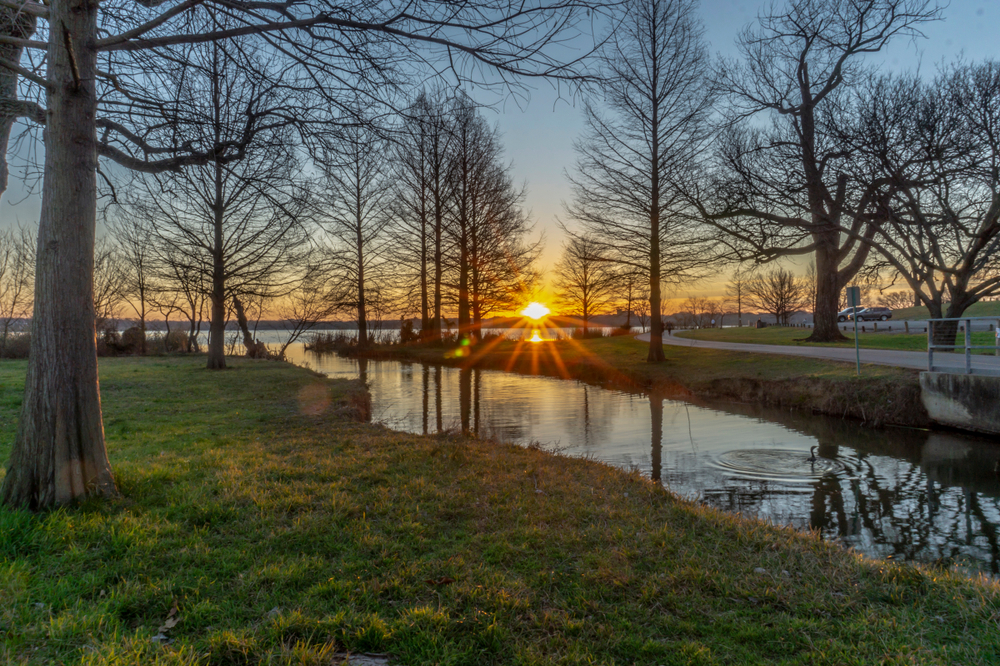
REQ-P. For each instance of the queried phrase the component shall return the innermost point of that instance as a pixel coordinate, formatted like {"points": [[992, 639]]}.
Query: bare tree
{"points": [[134, 240], [487, 225], [713, 312], [642, 308], [584, 281], [696, 307], [111, 282], [632, 157], [896, 300], [423, 202], [239, 224], [786, 189], [630, 284], [354, 201], [938, 145], [310, 303], [736, 292], [17, 278], [324, 46], [776, 292]]}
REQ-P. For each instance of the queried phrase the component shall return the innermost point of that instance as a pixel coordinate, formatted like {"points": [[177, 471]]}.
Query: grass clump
{"points": [[270, 528]]}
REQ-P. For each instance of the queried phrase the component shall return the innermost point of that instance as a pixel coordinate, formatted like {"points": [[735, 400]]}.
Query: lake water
{"points": [[931, 497]]}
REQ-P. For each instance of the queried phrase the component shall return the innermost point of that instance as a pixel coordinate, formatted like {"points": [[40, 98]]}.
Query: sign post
{"points": [[854, 301]]}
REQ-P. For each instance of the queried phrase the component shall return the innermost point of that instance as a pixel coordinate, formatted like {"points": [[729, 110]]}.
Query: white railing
{"points": [[968, 346]]}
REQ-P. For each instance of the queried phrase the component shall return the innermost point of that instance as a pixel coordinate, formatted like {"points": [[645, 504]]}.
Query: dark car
{"points": [[872, 314], [845, 315]]}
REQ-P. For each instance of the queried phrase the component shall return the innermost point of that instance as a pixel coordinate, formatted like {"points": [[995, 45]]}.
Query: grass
{"points": [[626, 357], [282, 532], [776, 335], [982, 309]]}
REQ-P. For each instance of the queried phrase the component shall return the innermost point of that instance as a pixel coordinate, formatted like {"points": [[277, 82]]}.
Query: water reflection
{"points": [[900, 493]]}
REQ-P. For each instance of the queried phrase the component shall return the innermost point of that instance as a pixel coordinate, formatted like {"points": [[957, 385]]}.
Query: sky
{"points": [[539, 139], [539, 133]]}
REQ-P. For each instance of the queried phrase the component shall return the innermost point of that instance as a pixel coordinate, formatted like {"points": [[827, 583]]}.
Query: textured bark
{"points": [[59, 454], [828, 289]]}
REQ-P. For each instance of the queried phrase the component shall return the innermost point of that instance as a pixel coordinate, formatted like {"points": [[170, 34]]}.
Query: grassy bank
{"points": [[775, 335], [267, 527], [983, 309], [883, 395]]}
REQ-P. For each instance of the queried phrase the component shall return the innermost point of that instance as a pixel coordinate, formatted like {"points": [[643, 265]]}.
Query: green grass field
{"points": [[776, 335], [984, 309], [627, 355], [269, 528]]}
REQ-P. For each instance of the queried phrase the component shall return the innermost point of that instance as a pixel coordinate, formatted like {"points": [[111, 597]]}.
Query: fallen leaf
{"points": [[172, 619], [168, 624]]}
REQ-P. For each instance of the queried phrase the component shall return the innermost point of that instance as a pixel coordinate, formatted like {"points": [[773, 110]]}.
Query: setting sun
{"points": [[535, 311]]}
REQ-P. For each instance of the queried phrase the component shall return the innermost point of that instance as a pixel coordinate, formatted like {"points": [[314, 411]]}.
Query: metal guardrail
{"points": [[969, 347]]}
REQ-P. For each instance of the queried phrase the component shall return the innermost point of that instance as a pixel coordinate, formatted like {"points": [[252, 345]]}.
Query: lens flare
{"points": [[535, 311], [535, 337]]}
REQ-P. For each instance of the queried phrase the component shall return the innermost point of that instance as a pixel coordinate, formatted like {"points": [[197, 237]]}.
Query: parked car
{"points": [[845, 315], [872, 314]]}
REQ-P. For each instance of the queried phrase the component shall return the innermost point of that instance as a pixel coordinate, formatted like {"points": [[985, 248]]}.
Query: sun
{"points": [[535, 311]]}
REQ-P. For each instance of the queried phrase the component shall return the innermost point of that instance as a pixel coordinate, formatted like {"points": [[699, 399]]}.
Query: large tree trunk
{"points": [[59, 454], [827, 292], [946, 332]]}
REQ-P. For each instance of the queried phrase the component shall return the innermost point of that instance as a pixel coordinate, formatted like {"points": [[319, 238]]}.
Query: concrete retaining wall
{"points": [[971, 402]]}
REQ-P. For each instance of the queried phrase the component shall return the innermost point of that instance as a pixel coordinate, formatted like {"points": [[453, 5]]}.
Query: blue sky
{"points": [[539, 135], [539, 140]]}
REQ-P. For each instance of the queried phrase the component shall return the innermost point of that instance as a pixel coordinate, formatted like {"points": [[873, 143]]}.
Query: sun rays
{"points": [[529, 336]]}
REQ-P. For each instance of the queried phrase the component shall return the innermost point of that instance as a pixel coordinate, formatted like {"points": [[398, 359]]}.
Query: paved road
{"points": [[903, 359]]}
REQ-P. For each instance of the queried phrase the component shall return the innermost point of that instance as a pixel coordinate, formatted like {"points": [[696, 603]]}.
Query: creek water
{"points": [[898, 493]]}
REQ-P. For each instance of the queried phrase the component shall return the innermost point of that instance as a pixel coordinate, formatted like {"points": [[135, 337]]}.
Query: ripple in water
{"points": [[778, 464]]}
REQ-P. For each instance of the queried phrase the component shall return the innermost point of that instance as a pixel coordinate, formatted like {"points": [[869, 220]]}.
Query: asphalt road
{"points": [[987, 365]]}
